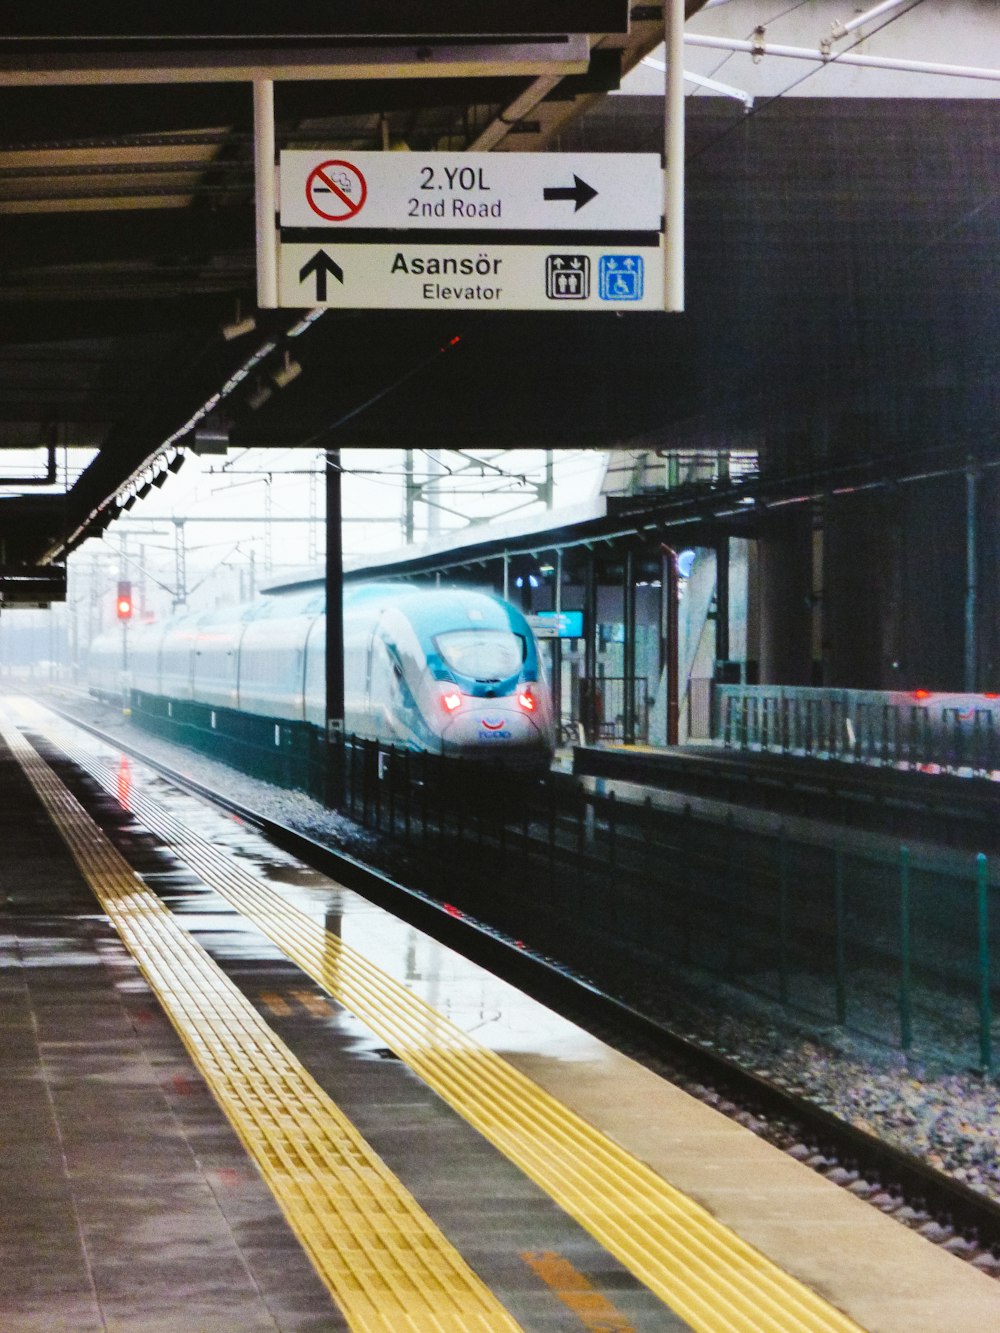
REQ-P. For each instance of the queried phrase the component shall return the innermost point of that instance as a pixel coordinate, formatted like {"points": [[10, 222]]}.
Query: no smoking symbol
{"points": [[336, 190]]}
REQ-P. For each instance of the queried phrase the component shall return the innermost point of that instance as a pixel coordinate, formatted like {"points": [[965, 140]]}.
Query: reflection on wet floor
{"points": [[316, 1020]]}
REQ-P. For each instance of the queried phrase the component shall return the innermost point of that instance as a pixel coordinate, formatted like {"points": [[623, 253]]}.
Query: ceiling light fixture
{"points": [[238, 326], [288, 371], [211, 435], [260, 395], [143, 490], [177, 462]]}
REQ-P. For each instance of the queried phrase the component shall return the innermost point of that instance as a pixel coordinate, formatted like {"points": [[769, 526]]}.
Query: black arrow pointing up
{"points": [[580, 191], [322, 265]]}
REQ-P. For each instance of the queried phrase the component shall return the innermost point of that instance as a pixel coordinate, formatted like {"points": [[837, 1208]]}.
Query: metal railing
{"points": [[952, 732], [900, 947], [609, 696]]}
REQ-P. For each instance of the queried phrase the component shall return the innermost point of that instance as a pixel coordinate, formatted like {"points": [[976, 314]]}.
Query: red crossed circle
{"points": [[345, 186]]}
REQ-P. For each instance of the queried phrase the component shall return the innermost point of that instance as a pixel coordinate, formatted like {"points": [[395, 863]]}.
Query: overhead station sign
{"points": [[345, 218], [478, 191], [480, 277]]}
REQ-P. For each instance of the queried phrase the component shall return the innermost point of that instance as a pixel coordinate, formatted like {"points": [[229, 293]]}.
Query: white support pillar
{"points": [[267, 232], [673, 145]]}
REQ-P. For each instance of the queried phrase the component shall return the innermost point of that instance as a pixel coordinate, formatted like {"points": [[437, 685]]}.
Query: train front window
{"points": [[482, 654]]}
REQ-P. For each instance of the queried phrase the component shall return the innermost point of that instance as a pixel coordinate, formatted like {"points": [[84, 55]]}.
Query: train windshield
{"points": [[482, 654]]}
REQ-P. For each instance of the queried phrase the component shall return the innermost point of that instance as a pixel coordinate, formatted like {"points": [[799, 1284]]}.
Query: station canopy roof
{"points": [[128, 264]]}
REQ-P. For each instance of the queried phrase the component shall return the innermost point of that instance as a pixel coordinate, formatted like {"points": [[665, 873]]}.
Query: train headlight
{"points": [[527, 701], [451, 700]]}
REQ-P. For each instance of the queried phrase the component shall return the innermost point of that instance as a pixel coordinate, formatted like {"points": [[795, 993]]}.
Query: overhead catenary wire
{"points": [[764, 104]]}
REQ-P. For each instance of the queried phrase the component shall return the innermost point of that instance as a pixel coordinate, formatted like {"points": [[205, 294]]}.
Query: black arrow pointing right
{"points": [[580, 192], [322, 265]]}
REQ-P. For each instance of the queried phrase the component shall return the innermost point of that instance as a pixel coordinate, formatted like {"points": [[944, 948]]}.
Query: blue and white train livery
{"points": [[448, 671]]}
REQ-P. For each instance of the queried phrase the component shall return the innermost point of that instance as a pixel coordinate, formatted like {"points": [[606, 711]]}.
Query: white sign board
{"points": [[621, 192], [477, 277]]}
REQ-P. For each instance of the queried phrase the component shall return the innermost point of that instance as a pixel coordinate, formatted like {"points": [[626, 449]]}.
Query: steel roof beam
{"points": [[568, 54], [110, 21]]}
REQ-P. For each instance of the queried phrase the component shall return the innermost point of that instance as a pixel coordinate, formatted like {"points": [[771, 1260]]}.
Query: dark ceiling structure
{"points": [[127, 237]]}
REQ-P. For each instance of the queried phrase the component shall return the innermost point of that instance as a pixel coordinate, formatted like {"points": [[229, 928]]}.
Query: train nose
{"points": [[484, 723]]}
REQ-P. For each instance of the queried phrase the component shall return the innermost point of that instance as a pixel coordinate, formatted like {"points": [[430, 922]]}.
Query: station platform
{"points": [[237, 1096]]}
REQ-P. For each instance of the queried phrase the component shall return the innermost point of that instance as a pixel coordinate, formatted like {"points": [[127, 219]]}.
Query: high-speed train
{"points": [[450, 671]]}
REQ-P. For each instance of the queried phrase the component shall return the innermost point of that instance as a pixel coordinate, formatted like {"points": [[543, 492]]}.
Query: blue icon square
{"points": [[620, 277]]}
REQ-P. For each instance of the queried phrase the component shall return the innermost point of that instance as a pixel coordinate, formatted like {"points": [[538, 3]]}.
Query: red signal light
{"points": [[123, 605]]}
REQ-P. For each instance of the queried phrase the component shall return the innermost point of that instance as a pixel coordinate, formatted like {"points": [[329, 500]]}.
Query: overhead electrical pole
{"points": [[334, 632]]}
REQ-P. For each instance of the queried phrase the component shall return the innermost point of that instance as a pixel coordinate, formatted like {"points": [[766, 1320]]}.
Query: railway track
{"points": [[947, 1212]]}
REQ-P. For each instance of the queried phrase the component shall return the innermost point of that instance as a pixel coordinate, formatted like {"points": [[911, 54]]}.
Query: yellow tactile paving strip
{"points": [[385, 1262], [701, 1269]]}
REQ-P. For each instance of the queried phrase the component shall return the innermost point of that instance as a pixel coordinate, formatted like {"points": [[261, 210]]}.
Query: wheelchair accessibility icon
{"points": [[619, 277]]}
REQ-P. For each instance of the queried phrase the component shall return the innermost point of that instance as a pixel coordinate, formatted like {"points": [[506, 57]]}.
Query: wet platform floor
{"points": [[130, 1203]]}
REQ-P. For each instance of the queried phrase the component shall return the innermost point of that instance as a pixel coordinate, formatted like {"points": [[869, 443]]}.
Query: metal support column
{"points": [[589, 710], [671, 583], [313, 530], [628, 654], [722, 600], [180, 565], [557, 647], [971, 579], [548, 486], [334, 631], [409, 497], [123, 573]]}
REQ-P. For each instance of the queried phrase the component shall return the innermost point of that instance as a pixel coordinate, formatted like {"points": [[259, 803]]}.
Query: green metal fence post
{"points": [[612, 838], [688, 860], [458, 794], [408, 782], [905, 995], [731, 893], [500, 810], [983, 930], [439, 780], [424, 785], [525, 835], [551, 793], [841, 944], [649, 877], [783, 916]]}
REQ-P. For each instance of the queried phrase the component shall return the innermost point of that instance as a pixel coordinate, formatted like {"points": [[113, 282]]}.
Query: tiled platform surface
{"points": [[129, 1204], [126, 1200]]}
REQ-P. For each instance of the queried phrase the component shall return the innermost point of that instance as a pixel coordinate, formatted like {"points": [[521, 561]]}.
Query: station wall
{"points": [[843, 260]]}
